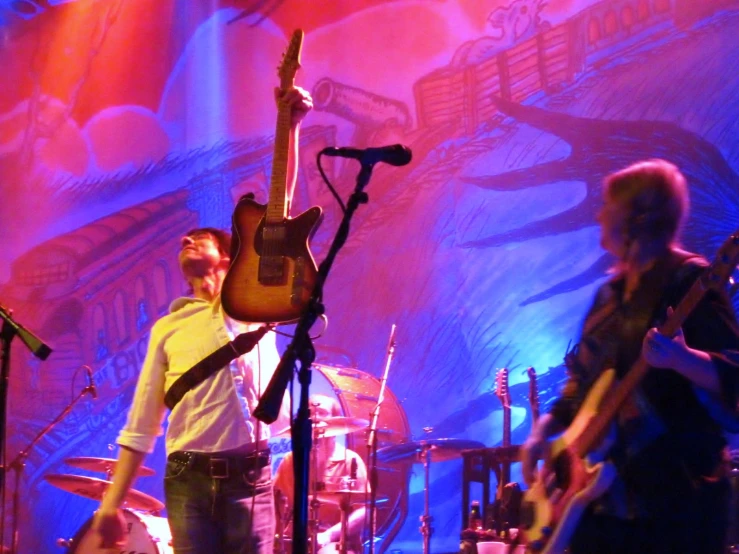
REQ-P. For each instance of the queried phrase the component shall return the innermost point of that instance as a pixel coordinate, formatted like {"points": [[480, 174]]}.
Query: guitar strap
{"points": [[212, 363]]}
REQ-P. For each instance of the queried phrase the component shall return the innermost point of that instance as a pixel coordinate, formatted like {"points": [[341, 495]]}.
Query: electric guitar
{"points": [[533, 394], [504, 395], [575, 472], [272, 272]]}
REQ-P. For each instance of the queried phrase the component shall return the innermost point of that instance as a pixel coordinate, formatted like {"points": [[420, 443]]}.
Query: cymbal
{"points": [[104, 465], [91, 487], [346, 496], [332, 426], [441, 450]]}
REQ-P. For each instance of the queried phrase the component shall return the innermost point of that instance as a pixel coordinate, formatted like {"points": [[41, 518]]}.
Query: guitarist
{"points": [[671, 495], [218, 483]]}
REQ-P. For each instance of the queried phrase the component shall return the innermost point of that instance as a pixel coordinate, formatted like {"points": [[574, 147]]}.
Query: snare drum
{"points": [[147, 534]]}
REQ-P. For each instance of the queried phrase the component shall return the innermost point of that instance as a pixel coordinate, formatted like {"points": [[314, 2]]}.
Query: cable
{"points": [[324, 317], [331, 189]]}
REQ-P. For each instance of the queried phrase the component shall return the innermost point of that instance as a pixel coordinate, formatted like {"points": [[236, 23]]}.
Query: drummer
{"points": [[338, 468]]}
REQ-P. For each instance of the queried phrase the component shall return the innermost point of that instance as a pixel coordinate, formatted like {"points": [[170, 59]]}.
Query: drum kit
{"points": [[356, 392], [148, 533]]}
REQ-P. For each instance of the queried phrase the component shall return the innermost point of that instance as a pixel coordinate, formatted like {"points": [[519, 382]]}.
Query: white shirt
{"points": [[212, 416]]}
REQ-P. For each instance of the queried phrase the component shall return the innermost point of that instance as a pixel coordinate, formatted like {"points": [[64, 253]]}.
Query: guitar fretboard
{"points": [[277, 204]]}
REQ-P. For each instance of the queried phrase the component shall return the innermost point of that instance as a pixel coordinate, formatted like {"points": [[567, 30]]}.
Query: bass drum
{"points": [[147, 534], [357, 393]]}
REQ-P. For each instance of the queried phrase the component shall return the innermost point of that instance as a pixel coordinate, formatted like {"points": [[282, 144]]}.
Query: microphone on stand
{"points": [[395, 154], [91, 388], [353, 470]]}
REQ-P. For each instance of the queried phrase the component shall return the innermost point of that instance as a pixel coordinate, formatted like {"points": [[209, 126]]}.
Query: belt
{"points": [[221, 466]]}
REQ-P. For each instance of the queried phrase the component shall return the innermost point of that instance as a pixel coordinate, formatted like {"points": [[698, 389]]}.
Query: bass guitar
{"points": [[575, 472], [272, 272]]}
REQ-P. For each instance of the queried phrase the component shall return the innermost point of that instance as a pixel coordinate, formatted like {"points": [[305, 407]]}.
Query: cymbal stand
{"points": [[19, 462], [315, 504], [372, 444], [426, 519], [346, 508]]}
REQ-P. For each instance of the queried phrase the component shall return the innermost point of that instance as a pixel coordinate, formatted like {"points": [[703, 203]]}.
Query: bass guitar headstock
{"points": [[722, 270]]}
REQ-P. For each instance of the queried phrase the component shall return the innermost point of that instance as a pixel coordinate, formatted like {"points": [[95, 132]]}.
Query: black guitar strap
{"points": [[212, 363]]}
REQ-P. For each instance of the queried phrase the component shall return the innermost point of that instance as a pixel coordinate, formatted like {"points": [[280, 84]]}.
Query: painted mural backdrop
{"points": [[125, 123]]}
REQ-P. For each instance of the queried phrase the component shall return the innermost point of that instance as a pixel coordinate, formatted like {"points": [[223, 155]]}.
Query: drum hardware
{"points": [[93, 488], [426, 451], [104, 465]]}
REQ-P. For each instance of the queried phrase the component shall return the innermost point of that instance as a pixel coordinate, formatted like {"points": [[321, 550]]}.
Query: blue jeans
{"points": [[232, 515]]}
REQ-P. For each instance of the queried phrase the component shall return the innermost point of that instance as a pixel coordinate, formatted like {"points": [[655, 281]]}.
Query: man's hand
{"points": [[111, 528], [664, 352], [298, 99]]}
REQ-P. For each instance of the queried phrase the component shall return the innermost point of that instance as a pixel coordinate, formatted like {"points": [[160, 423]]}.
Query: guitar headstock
{"points": [[724, 265], [291, 60], [501, 388]]}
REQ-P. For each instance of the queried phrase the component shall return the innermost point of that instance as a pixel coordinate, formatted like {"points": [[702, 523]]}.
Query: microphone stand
{"points": [[19, 463], [11, 329], [301, 349], [372, 443]]}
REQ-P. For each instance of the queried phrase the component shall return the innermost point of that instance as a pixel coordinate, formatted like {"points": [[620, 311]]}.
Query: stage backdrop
{"points": [[125, 123]]}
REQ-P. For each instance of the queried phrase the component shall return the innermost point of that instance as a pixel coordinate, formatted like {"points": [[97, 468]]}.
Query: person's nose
{"points": [[186, 241]]}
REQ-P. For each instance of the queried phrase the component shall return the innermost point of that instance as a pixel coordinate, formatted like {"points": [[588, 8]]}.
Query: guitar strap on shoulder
{"points": [[212, 363]]}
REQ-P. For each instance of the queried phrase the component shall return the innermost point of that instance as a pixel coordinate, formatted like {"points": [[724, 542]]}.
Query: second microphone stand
{"points": [[301, 349]]}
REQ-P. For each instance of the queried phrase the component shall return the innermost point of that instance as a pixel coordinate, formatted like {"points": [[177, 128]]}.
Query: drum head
{"points": [[146, 535]]}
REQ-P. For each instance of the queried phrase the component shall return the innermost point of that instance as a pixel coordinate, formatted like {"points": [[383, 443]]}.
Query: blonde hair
{"points": [[655, 194]]}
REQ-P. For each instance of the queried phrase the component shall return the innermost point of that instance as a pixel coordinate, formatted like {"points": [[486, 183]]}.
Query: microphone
{"points": [[91, 383], [353, 470], [395, 154]]}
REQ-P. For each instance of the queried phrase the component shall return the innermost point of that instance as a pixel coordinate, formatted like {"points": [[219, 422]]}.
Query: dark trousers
{"points": [[693, 522], [225, 515]]}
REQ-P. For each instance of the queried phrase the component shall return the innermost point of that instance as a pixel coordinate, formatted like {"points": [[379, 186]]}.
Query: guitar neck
{"points": [[506, 467], [277, 204], [620, 394]]}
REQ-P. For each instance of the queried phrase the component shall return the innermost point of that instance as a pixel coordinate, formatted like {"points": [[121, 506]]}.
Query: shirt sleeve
{"points": [[712, 327], [147, 413]]}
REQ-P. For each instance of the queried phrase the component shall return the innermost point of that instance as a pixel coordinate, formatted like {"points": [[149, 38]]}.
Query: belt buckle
{"points": [[218, 468]]}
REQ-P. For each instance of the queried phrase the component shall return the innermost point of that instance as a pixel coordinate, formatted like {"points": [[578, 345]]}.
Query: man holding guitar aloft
{"points": [[669, 494], [218, 485]]}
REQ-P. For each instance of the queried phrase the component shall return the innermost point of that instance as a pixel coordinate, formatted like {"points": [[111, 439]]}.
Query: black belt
{"points": [[221, 466]]}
